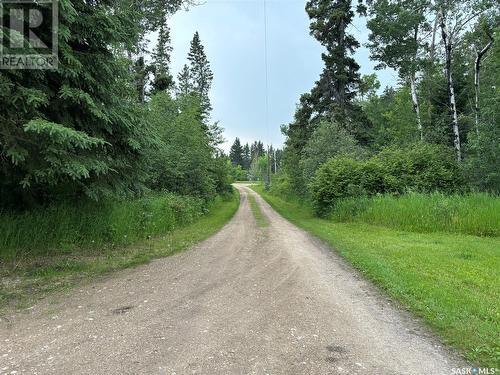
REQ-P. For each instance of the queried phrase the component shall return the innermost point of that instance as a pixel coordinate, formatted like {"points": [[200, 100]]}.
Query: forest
{"points": [[111, 161], [436, 131]]}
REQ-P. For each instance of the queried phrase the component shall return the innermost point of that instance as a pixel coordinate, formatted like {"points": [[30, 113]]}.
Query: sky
{"points": [[233, 34]]}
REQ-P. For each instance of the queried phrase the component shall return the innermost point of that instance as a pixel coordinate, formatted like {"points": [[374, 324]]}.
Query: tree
{"points": [[257, 149], [395, 40], [163, 80], [336, 88], [454, 18], [145, 16], [481, 48], [327, 141], [184, 82], [247, 159], [183, 160], [236, 153], [368, 86], [201, 74], [75, 130]]}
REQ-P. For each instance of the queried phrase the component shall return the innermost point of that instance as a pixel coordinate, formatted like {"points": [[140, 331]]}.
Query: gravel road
{"points": [[248, 300]]}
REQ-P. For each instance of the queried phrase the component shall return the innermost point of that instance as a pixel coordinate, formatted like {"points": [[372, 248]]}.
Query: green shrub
{"points": [[338, 178], [419, 168]]}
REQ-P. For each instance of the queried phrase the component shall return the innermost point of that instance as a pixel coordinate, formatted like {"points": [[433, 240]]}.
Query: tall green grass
{"points": [[29, 271], [476, 214], [62, 228]]}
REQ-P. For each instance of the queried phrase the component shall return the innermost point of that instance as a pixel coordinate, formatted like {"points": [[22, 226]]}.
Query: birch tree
{"points": [[454, 20], [396, 41]]}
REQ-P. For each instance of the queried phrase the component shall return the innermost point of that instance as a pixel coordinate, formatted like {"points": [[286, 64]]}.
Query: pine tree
{"points": [[201, 74], [236, 153], [247, 159], [340, 77], [163, 80], [184, 82]]}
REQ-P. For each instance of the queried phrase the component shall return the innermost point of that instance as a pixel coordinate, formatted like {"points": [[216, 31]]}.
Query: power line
{"points": [[266, 96]]}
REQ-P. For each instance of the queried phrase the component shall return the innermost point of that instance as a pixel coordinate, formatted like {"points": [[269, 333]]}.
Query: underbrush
{"points": [[65, 227]]}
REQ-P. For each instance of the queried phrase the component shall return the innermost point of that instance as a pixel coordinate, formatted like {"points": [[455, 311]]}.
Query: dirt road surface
{"points": [[248, 300]]}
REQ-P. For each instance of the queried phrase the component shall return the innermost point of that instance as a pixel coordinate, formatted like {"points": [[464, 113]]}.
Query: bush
{"points": [[419, 168], [422, 167], [238, 173], [338, 178]]}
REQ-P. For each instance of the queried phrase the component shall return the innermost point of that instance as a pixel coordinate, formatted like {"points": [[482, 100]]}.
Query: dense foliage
{"points": [[98, 126], [436, 131], [419, 168]]}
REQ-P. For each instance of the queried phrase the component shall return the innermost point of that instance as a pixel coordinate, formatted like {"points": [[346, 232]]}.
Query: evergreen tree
{"points": [[257, 150], [184, 82], [236, 153], [76, 129], [163, 80], [340, 77], [247, 159], [201, 74]]}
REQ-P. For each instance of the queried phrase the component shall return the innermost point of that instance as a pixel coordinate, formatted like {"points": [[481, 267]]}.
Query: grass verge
{"points": [[450, 280], [26, 279], [257, 213]]}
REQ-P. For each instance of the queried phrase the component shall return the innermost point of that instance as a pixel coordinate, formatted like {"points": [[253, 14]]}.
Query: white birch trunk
{"points": [[456, 132], [451, 91], [416, 107]]}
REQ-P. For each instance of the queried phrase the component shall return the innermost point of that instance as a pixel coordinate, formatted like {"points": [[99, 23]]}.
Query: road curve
{"points": [[248, 300]]}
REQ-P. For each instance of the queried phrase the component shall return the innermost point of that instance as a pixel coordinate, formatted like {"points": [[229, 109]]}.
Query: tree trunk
{"points": [[451, 91], [477, 68], [416, 107], [430, 68]]}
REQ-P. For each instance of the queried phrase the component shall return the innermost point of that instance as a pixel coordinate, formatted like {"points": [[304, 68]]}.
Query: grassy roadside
{"points": [[32, 278], [450, 280]]}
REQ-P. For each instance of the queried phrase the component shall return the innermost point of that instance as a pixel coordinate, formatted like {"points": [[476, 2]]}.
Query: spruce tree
{"points": [[76, 129], [163, 80], [340, 77], [201, 74], [247, 160], [184, 82], [236, 153]]}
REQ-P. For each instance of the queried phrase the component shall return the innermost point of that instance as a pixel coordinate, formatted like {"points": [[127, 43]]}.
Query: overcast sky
{"points": [[232, 32]]}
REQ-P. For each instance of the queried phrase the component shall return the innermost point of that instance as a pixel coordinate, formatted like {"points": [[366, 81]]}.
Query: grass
{"points": [[450, 280], [67, 227], [31, 275], [477, 214], [257, 213]]}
